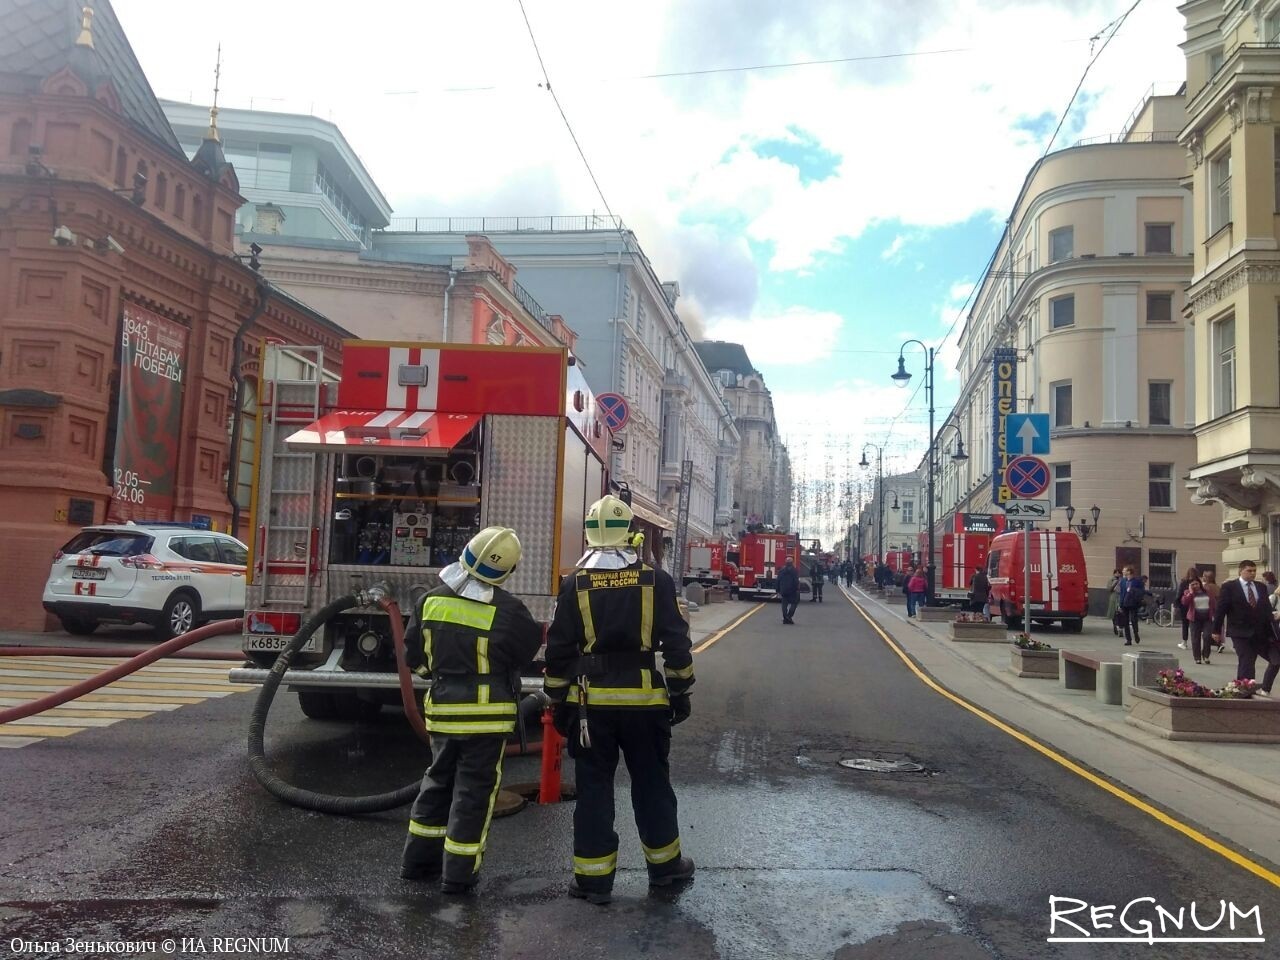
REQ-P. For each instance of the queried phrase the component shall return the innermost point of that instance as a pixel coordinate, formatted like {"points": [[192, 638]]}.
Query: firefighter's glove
{"points": [[680, 709], [562, 715]]}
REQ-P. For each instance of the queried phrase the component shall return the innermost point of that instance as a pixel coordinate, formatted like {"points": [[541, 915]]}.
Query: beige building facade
{"points": [[1233, 141], [1086, 287], [902, 518]]}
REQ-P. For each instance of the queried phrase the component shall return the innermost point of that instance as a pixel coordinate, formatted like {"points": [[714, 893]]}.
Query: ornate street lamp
{"points": [[1084, 528]]}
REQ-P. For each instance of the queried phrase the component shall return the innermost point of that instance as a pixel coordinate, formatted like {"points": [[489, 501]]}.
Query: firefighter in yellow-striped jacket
{"points": [[473, 638], [614, 613]]}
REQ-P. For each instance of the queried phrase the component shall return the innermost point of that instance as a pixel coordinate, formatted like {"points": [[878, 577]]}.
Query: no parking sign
{"points": [[615, 409]]}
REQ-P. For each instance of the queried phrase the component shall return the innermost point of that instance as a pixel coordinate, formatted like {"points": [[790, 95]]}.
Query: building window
{"points": [[1160, 486], [1161, 565], [1219, 191], [1159, 308], [1060, 401], [197, 212], [1159, 238], [1224, 352], [908, 511], [1216, 60], [1062, 484], [1160, 403], [1062, 312], [1061, 244], [1275, 151], [180, 201], [1271, 28], [162, 191]]}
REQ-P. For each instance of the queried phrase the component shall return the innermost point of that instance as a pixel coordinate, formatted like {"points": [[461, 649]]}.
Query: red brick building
{"points": [[109, 234]]}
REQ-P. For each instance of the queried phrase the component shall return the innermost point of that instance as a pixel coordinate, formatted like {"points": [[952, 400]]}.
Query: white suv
{"points": [[170, 575]]}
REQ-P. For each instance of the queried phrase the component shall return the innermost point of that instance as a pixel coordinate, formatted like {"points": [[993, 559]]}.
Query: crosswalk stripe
{"points": [[79, 665], [204, 688], [49, 720], [115, 695], [89, 702], [12, 743], [9, 730], [90, 711], [139, 677]]}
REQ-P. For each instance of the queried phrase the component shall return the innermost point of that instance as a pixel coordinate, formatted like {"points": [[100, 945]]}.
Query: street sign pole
{"points": [[1026, 573], [1027, 476]]}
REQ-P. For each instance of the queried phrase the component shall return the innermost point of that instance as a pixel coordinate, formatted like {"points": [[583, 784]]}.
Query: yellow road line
{"points": [[720, 633], [1186, 830]]}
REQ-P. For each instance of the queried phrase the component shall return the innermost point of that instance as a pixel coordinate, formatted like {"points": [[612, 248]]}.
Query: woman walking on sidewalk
{"points": [[1198, 608], [1179, 610], [917, 590], [1209, 580]]}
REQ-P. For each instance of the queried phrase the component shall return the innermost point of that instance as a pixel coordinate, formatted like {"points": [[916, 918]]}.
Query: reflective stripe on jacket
{"points": [[474, 652], [628, 611]]}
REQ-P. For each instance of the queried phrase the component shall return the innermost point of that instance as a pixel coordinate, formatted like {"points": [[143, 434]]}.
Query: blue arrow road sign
{"points": [[1027, 433], [1027, 477]]}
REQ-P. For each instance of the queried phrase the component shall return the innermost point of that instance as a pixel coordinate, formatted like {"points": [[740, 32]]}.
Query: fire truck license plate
{"points": [[88, 573], [276, 644]]}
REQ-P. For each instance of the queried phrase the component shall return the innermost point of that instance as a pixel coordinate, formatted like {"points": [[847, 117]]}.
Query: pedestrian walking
{"points": [[1209, 580], [1113, 601], [1269, 579], [979, 592], [473, 638], [816, 576], [1132, 594], [917, 591], [1243, 608], [789, 590], [613, 614], [1198, 611], [1181, 611], [848, 573]]}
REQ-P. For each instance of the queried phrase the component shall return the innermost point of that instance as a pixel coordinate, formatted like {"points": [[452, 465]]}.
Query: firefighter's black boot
{"points": [[676, 872], [598, 897]]}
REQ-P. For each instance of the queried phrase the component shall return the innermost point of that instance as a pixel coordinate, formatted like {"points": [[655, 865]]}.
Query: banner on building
{"points": [[149, 421], [1004, 400]]}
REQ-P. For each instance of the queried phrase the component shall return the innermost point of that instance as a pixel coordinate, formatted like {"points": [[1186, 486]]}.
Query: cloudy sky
{"points": [[820, 213]]}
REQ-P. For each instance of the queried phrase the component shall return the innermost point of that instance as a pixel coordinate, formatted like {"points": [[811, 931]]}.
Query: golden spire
{"points": [[86, 27], [212, 133]]}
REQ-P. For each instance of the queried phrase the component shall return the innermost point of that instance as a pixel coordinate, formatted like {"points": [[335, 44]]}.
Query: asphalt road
{"points": [[154, 828]]}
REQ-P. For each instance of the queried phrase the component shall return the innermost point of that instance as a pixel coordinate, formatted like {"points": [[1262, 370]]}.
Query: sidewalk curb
{"points": [[1239, 782]]}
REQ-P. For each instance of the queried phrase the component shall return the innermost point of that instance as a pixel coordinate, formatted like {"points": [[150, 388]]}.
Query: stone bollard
{"points": [[1142, 669]]}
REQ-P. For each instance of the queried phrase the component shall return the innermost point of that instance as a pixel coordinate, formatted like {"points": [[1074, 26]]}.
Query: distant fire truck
{"points": [[707, 563], [963, 551], [386, 474], [761, 556]]}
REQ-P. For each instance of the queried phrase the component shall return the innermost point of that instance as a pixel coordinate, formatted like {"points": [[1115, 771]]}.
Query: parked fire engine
{"points": [[706, 562], [1059, 581], [761, 556], [964, 550], [385, 475]]}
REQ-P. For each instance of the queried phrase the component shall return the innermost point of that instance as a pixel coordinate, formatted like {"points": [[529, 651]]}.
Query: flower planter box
{"points": [[1256, 720], [978, 632], [935, 614], [1040, 664]]}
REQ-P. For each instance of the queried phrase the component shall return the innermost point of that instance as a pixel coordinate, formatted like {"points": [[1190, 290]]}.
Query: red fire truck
{"points": [[386, 474], [761, 556], [706, 562], [1059, 581], [963, 550]]}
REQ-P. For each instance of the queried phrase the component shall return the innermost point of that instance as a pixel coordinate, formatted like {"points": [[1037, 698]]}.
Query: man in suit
{"points": [[1243, 605]]}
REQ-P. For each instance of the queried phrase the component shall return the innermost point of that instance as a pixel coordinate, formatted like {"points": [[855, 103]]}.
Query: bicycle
{"points": [[1158, 611]]}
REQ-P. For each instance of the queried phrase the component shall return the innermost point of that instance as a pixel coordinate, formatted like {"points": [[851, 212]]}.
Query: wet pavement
{"points": [[155, 829]]}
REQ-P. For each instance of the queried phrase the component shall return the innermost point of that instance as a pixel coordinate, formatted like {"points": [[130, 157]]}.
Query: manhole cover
{"points": [[876, 765]]}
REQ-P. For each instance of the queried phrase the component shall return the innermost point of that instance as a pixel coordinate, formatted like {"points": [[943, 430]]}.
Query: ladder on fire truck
{"points": [[288, 540]]}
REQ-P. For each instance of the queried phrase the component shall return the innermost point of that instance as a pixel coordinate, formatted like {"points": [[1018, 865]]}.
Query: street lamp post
{"points": [[902, 378], [879, 495]]}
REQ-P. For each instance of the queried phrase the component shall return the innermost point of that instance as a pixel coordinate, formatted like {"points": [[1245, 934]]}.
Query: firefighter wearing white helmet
{"points": [[614, 613], [472, 638]]}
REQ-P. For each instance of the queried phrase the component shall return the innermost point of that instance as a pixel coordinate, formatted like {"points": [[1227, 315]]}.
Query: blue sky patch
{"points": [[802, 151]]}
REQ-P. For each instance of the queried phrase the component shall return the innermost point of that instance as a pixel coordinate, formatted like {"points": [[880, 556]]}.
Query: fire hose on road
{"points": [[168, 648]]}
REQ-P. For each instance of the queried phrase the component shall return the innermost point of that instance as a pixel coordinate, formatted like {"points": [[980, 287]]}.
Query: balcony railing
{"points": [[1151, 136], [570, 224], [530, 304]]}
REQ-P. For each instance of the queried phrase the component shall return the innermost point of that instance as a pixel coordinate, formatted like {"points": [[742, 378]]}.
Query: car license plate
{"points": [[88, 573], [276, 644], [1038, 606]]}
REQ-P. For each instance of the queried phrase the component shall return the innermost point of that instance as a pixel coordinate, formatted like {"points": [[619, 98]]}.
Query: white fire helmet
{"points": [[492, 554], [608, 523]]}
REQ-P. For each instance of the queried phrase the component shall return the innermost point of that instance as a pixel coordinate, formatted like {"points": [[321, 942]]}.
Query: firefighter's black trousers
{"points": [[644, 738], [451, 816]]}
